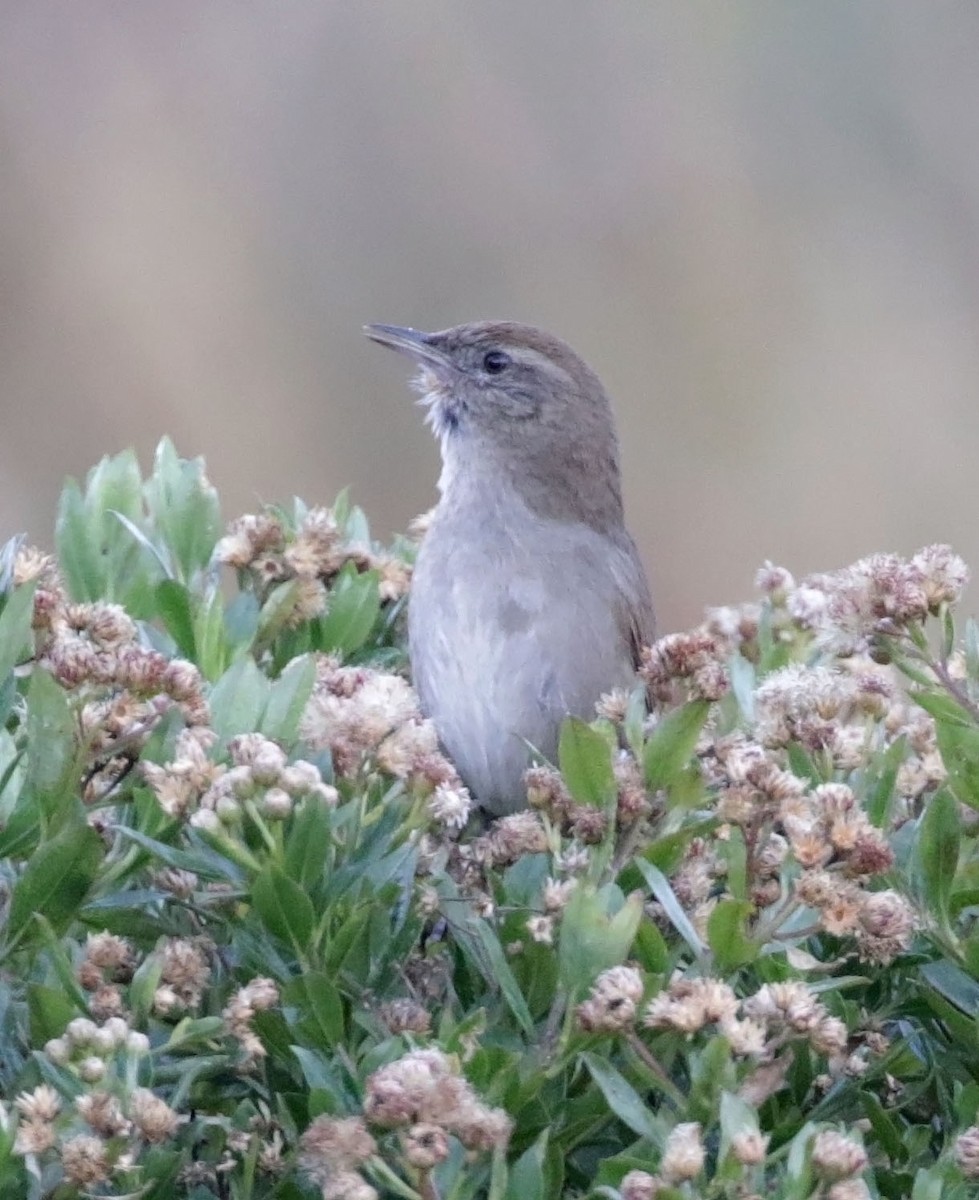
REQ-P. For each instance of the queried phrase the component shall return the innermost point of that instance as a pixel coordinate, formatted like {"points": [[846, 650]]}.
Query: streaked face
{"points": [[487, 374]]}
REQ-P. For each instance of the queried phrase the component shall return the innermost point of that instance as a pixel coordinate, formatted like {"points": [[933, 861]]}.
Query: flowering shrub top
{"points": [[258, 942]]}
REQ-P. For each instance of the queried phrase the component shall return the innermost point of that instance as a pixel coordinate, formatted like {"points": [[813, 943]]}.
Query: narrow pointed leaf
{"points": [[585, 759]]}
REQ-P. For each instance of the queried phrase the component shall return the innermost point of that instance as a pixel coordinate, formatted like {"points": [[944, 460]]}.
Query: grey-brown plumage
{"points": [[528, 599]]}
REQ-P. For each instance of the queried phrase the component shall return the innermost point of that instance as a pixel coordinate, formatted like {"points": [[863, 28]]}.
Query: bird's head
{"points": [[522, 401]]}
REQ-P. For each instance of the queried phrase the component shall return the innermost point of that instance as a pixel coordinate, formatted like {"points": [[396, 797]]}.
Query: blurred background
{"points": [[759, 221]]}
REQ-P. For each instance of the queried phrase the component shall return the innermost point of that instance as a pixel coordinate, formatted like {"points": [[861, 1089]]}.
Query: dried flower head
{"points": [[103, 1113], [425, 1088], [886, 926], [640, 1185], [425, 1146], [248, 538], [41, 1104], [612, 1002], [967, 1152], [450, 806], [34, 1137], [184, 971], [836, 1156], [335, 1143], [153, 1117], [684, 1153], [750, 1147], [406, 1016], [85, 1160], [353, 709]]}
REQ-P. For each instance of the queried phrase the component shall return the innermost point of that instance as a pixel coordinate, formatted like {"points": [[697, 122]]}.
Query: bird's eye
{"points": [[495, 361]]}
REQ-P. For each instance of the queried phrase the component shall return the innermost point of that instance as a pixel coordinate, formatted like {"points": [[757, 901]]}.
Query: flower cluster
{"points": [[109, 962], [613, 1001], [330, 1153], [369, 718], [831, 702], [193, 786], [256, 996], [96, 1127], [756, 1027], [185, 972], [96, 1132], [837, 1160], [425, 1100], [682, 1160], [690, 665], [261, 547], [548, 794], [424, 1096], [124, 687]]}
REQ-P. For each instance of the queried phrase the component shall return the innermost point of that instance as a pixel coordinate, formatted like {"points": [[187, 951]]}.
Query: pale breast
{"points": [[508, 635]]}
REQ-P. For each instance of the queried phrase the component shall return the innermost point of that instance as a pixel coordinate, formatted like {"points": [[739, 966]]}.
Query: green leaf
{"points": [[737, 1117], [201, 860], [932, 1184], [667, 852], [526, 1181], [213, 638], [958, 744], [277, 610], [78, 555], [287, 700], [238, 699], [952, 983], [585, 759], [659, 885], [115, 485], [728, 941], [109, 562], [51, 750], [240, 621], [942, 707], [15, 628], [56, 880], [184, 508], [887, 1131], [50, 1011], [352, 610], [194, 1031], [597, 932], [879, 778], [939, 834], [308, 842], [622, 1098], [672, 743], [58, 957], [320, 1002], [734, 853], [142, 990], [174, 609], [483, 946], [284, 908], [635, 719], [650, 949], [744, 680], [321, 1075], [972, 649]]}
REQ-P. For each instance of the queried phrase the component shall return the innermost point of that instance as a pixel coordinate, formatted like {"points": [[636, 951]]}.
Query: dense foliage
{"points": [[256, 942]]}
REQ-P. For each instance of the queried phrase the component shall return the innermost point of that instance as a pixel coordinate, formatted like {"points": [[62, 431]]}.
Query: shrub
{"points": [[257, 943]]}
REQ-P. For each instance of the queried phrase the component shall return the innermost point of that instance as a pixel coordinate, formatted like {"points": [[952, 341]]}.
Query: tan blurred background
{"points": [[758, 221]]}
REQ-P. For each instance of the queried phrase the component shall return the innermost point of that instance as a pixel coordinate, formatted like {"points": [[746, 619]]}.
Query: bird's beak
{"points": [[412, 342]]}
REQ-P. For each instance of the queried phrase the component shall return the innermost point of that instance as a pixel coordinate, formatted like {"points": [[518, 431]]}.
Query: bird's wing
{"points": [[634, 605]]}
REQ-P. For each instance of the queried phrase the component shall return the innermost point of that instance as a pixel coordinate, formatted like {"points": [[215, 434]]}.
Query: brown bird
{"points": [[528, 599]]}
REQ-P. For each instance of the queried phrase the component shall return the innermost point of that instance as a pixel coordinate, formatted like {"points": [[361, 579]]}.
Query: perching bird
{"points": [[528, 599]]}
